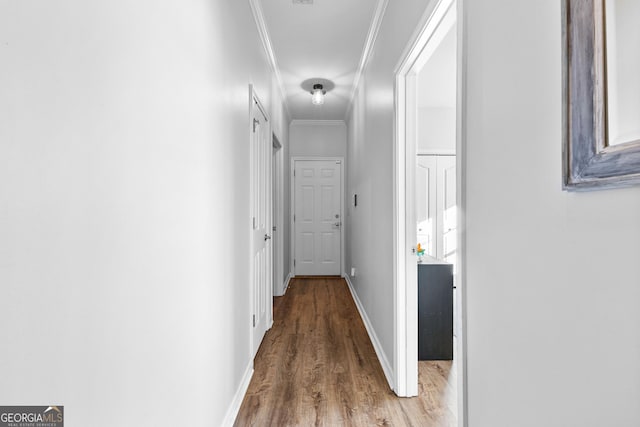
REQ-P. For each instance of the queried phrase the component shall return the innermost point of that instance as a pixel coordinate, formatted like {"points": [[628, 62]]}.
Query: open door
{"points": [[261, 219]]}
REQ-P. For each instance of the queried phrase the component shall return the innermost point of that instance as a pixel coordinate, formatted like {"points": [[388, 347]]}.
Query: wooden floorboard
{"points": [[317, 367]]}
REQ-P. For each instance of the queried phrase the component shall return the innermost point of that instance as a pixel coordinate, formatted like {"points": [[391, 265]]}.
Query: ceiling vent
{"points": [[302, 1]]}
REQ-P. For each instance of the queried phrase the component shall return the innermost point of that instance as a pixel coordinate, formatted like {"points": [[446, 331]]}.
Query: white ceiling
{"points": [[323, 40]]}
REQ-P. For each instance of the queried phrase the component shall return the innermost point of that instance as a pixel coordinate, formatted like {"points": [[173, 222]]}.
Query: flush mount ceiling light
{"points": [[317, 94], [318, 88]]}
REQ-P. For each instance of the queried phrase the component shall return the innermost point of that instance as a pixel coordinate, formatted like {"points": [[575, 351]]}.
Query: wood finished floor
{"points": [[317, 367]]}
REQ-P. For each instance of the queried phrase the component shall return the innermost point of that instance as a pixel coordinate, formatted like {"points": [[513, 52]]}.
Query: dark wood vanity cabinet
{"points": [[435, 311]]}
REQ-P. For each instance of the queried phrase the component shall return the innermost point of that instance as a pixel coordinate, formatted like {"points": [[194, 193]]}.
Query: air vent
{"points": [[302, 1]]}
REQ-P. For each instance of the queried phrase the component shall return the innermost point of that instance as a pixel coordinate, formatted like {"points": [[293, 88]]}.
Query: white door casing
{"points": [[439, 16], [261, 212], [317, 217], [278, 219]]}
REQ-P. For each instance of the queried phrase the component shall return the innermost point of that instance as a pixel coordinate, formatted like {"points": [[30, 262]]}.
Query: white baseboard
{"points": [[284, 286], [234, 408], [382, 357], [287, 281]]}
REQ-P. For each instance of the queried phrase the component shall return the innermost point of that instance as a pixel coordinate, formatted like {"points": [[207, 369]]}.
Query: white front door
{"points": [[261, 276], [317, 217]]}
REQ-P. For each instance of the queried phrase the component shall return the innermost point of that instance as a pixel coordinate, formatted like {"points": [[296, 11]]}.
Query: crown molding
{"points": [[374, 29], [298, 122], [258, 16]]}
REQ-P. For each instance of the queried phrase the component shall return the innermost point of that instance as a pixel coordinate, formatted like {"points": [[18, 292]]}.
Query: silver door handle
{"points": [[337, 224], [266, 237]]}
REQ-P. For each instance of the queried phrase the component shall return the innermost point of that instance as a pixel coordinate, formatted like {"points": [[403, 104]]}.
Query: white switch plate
{"points": [[353, 272]]}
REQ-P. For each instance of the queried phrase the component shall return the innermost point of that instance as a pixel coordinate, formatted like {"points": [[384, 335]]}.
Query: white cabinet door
{"points": [[447, 208], [426, 203], [317, 221], [436, 206]]}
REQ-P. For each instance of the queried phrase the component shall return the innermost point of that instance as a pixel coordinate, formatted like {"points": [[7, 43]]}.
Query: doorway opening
{"points": [[428, 188]]}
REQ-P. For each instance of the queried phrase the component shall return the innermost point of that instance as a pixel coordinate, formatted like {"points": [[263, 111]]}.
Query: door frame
{"points": [[404, 175], [293, 207], [278, 216], [253, 346]]}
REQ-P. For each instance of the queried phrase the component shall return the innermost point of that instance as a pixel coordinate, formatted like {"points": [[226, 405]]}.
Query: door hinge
{"points": [[254, 320], [254, 222], [294, 262], [294, 217], [255, 122]]}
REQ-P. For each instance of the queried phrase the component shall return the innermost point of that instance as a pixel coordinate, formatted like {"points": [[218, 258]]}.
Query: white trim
{"points": [[423, 33], [382, 357], [284, 286], [236, 402], [261, 24], [277, 194], [400, 336], [293, 206], [372, 35], [287, 282], [461, 192], [298, 122], [404, 265], [292, 225]]}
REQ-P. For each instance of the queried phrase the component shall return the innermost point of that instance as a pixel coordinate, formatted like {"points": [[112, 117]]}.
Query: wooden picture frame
{"points": [[589, 162]]}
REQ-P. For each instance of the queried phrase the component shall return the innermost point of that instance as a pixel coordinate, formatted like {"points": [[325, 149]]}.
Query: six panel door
{"points": [[317, 221]]}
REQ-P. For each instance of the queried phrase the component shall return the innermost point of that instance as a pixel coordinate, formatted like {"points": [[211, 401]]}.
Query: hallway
{"points": [[316, 366], [126, 225]]}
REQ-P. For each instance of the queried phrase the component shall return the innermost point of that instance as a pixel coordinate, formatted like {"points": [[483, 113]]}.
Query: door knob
{"points": [[337, 224], [266, 237]]}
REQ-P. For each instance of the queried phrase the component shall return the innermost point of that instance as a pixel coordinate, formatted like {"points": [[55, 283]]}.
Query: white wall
{"points": [[280, 121], [553, 277], [436, 130], [436, 90], [124, 208], [369, 227], [318, 138]]}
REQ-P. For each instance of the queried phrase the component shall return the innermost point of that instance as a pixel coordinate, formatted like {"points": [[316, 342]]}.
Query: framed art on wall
{"points": [[601, 94]]}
